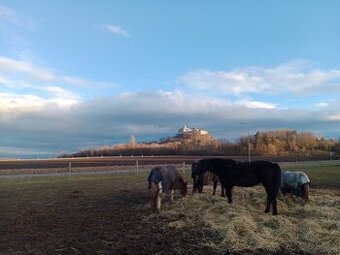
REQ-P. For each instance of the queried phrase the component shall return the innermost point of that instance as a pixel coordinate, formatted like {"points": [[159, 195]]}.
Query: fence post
{"points": [[183, 165], [69, 171], [137, 167]]}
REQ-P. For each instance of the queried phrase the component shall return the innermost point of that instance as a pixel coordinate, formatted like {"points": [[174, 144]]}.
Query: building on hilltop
{"points": [[186, 130]]}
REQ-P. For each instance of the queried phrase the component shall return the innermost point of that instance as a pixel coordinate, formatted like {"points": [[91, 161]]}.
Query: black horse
{"points": [[233, 173]]}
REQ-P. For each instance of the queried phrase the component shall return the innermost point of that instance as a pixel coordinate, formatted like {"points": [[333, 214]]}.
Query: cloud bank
{"points": [[297, 77], [43, 111]]}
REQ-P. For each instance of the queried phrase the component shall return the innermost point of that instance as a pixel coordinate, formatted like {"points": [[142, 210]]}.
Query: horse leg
{"points": [[154, 196], [159, 201], [228, 191], [274, 202], [268, 200], [159, 196], [222, 191], [271, 199], [215, 186], [194, 188], [172, 196], [267, 210]]}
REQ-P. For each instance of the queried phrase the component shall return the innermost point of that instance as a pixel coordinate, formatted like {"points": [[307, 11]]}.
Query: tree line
{"points": [[263, 143]]}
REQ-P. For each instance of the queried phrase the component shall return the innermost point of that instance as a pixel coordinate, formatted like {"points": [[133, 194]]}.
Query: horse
{"points": [[165, 179], [296, 183], [233, 173], [208, 178]]}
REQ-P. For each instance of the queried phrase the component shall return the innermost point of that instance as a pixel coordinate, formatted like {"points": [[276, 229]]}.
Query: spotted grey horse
{"points": [[296, 183], [165, 179]]}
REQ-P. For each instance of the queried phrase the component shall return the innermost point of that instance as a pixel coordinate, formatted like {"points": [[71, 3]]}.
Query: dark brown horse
{"points": [[233, 173], [208, 178], [165, 179]]}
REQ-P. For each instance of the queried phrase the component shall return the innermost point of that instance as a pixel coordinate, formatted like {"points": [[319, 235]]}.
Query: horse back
{"points": [[268, 172], [255, 172], [169, 176]]}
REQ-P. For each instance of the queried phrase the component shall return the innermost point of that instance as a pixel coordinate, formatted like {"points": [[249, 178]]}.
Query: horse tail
{"points": [[277, 177], [193, 169]]}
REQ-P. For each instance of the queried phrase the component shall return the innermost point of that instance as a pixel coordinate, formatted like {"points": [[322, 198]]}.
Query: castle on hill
{"points": [[187, 130]]}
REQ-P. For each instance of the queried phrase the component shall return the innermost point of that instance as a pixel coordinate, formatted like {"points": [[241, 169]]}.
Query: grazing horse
{"points": [[233, 173], [208, 178], [296, 183], [165, 179]]}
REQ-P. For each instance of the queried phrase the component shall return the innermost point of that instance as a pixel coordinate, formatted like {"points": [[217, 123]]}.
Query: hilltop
{"points": [[195, 141]]}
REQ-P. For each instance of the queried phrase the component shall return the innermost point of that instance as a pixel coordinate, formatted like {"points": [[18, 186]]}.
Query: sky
{"points": [[83, 74]]}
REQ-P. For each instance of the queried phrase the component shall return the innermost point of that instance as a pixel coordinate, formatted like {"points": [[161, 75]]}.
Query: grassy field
{"points": [[110, 214], [321, 174]]}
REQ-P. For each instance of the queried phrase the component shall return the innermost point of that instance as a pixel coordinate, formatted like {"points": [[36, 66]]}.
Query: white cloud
{"points": [[14, 67], [297, 77], [322, 105], [115, 29], [333, 117], [256, 104], [13, 106], [9, 15], [9, 65], [26, 88]]}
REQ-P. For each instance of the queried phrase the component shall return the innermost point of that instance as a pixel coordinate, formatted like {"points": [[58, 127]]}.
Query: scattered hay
{"points": [[244, 228]]}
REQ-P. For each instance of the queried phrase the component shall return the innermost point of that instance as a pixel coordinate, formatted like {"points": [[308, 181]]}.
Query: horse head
{"points": [[197, 174], [184, 190]]}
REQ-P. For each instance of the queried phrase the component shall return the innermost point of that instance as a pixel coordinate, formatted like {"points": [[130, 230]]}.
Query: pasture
{"points": [[110, 214]]}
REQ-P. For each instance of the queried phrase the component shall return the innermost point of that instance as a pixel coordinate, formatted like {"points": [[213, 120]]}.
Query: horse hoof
{"points": [[227, 252]]}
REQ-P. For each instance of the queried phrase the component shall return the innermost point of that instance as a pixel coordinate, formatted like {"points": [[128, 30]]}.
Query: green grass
{"points": [[326, 173]]}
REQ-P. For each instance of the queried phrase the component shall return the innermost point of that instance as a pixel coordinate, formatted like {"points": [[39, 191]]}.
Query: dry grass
{"points": [[243, 228]]}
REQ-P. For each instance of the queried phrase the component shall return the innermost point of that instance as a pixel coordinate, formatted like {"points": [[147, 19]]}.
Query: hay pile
{"points": [[243, 228]]}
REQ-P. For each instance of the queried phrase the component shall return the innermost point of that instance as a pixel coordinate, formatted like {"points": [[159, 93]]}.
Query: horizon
{"points": [[76, 75], [235, 141]]}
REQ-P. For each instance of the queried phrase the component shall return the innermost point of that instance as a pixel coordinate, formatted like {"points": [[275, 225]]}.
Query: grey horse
{"points": [[165, 179], [296, 183]]}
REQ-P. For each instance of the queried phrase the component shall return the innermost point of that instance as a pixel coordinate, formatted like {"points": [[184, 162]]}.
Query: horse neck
{"points": [[213, 170]]}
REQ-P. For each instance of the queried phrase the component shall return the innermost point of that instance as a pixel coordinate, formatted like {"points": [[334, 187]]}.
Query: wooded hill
{"points": [[263, 143]]}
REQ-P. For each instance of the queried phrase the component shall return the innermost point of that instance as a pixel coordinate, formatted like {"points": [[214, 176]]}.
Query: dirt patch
{"points": [[89, 217], [111, 215]]}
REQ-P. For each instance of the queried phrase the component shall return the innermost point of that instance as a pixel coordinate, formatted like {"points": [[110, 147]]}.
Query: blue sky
{"points": [[79, 74]]}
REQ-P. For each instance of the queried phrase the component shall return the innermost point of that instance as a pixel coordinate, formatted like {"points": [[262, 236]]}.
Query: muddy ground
{"points": [[88, 215], [107, 214]]}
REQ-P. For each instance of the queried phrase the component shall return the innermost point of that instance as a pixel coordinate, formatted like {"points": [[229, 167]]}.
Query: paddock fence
{"points": [[72, 166]]}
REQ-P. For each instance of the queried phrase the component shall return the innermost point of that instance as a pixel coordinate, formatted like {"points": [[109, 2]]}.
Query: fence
{"points": [[100, 165], [75, 168]]}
